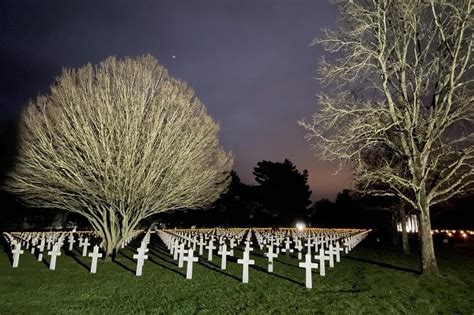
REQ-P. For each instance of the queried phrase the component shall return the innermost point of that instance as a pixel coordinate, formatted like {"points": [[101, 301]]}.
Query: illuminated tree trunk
{"points": [[110, 250], [403, 220], [113, 230], [395, 236], [428, 258]]}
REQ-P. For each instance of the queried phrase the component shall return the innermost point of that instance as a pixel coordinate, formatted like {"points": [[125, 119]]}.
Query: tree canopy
{"points": [[398, 107], [118, 142], [283, 190]]}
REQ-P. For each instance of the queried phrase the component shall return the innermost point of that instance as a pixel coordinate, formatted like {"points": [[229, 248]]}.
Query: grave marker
{"points": [[245, 262], [85, 244], [95, 255], [16, 255], [308, 265], [140, 257], [223, 252], [190, 259], [54, 253]]}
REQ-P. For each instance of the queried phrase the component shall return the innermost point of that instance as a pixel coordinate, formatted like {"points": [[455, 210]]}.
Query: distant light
{"points": [[300, 226], [173, 56]]}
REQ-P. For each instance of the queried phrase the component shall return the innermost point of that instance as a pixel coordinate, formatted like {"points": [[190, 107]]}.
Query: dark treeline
{"points": [[280, 197], [286, 201]]}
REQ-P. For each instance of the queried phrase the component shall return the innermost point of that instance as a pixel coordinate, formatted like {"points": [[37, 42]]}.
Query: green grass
{"points": [[367, 281]]}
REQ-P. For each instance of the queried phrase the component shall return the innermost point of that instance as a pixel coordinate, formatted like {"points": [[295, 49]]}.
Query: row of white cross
{"points": [[329, 247], [322, 245], [176, 245], [37, 241]]}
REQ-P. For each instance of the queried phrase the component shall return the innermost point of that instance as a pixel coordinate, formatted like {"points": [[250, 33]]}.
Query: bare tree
{"points": [[117, 143], [409, 123]]}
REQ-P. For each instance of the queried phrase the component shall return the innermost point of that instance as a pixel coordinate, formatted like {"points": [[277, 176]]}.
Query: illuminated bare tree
{"points": [[116, 143], [400, 110]]}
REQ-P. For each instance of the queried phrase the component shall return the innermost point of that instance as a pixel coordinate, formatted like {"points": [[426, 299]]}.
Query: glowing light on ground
{"points": [[300, 226]]}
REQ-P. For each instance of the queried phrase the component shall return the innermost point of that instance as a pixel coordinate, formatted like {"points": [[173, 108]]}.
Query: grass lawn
{"points": [[368, 281]]}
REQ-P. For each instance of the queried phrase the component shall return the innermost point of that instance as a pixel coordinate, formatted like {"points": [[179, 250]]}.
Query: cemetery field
{"points": [[367, 280]]}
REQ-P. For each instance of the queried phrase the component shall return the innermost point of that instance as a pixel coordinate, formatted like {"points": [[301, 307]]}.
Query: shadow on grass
{"points": [[285, 263], [152, 261], [158, 250], [129, 258], [214, 267], [124, 266], [7, 251], [165, 257], [80, 262], [45, 262], [258, 268], [166, 267], [382, 264]]}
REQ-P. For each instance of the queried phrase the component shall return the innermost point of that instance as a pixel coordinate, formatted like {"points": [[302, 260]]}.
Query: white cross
{"points": [[146, 238], [337, 250], [287, 248], [61, 241], [54, 253], [210, 247], [331, 254], [245, 262], [180, 250], [95, 254], [41, 249], [194, 243], [223, 252], [190, 259], [347, 245], [140, 257], [316, 244], [201, 243], [71, 242], [247, 246], [175, 248], [48, 242], [16, 255], [85, 244], [270, 254], [321, 257], [308, 265], [308, 245], [299, 248], [33, 245]]}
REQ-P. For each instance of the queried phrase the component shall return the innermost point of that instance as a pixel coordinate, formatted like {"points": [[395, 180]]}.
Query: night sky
{"points": [[250, 62]]}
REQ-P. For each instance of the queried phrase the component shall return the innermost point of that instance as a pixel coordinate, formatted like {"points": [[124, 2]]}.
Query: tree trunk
{"points": [[428, 258], [395, 236], [403, 220], [109, 250]]}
